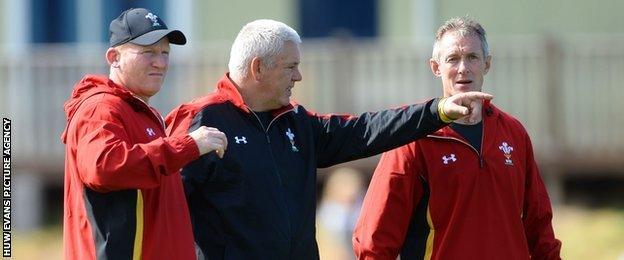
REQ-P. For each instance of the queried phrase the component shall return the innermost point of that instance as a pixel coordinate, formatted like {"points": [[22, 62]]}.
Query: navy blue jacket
{"points": [[259, 201]]}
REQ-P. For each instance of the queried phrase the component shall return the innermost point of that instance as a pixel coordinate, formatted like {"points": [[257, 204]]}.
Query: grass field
{"points": [[590, 234], [586, 234]]}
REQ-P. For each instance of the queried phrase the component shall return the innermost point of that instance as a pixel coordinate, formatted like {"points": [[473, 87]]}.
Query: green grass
{"points": [[590, 234], [585, 233], [45, 243]]}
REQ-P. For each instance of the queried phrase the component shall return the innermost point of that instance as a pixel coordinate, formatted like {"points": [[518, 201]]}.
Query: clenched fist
{"points": [[210, 139]]}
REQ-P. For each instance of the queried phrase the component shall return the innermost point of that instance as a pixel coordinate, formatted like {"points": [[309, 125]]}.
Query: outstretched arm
{"points": [[343, 138]]}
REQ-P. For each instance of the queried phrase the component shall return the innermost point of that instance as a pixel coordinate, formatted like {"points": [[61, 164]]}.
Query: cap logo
{"points": [[153, 18]]}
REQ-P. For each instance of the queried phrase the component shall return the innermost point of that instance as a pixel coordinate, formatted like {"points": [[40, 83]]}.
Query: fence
{"points": [[567, 91]]}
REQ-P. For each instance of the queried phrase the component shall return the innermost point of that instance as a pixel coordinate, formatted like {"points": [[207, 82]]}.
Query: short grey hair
{"points": [[262, 38], [463, 26]]}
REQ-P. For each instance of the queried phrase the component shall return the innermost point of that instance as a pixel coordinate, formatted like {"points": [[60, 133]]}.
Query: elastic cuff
{"points": [[191, 150], [443, 117]]}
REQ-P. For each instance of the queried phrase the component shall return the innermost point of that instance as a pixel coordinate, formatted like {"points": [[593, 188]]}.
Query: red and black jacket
{"points": [[259, 201], [123, 195], [440, 198]]}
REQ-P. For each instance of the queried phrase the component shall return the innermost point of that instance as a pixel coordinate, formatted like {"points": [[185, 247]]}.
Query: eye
{"points": [[452, 59], [147, 53]]}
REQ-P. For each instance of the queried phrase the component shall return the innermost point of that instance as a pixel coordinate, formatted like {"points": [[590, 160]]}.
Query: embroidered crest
{"points": [[507, 149], [451, 158], [152, 17], [291, 137], [240, 140]]}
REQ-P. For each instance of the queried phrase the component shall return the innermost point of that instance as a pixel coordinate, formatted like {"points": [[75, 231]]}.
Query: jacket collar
{"points": [[227, 88], [91, 85]]}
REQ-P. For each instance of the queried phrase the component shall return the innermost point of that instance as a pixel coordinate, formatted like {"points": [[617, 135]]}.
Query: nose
{"points": [[463, 67], [161, 61], [297, 75]]}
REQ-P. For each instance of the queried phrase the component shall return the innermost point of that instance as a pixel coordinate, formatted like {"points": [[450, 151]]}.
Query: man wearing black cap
{"points": [[123, 194]]}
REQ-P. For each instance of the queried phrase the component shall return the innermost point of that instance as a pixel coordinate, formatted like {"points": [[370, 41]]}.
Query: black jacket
{"points": [[259, 201]]}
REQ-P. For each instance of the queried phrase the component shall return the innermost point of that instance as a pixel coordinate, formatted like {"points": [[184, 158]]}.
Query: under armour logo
{"points": [[240, 140], [451, 158], [153, 18], [150, 131]]}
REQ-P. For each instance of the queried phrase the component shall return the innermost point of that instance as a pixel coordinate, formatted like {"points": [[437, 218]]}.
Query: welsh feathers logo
{"points": [[152, 17], [291, 138], [507, 149]]}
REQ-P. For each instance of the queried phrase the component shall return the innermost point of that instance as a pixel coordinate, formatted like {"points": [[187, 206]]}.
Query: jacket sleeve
{"points": [[109, 161], [537, 213], [180, 122], [346, 138], [388, 206]]}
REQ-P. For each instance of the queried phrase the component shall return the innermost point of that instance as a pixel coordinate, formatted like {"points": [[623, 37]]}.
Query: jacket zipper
{"points": [[266, 134], [279, 176], [273, 120], [479, 153], [266, 130]]}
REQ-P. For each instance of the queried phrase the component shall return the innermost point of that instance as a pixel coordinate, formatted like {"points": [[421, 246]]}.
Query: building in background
{"points": [[86, 21], [558, 68]]}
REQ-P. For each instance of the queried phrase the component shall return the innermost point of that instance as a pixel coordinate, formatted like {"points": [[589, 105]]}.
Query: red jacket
{"points": [[123, 192], [458, 203]]}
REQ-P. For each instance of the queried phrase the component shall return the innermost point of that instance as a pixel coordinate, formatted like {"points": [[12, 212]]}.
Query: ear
{"points": [[112, 57], [435, 67], [256, 68], [488, 63]]}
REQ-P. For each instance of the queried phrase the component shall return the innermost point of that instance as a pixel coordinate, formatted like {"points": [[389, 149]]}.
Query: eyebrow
{"points": [[153, 49], [455, 53]]}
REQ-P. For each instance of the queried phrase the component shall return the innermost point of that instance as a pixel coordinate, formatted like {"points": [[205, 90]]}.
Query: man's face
{"points": [[142, 69], [461, 64], [278, 81]]}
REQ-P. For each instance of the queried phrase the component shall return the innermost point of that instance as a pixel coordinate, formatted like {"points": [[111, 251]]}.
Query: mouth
{"points": [[156, 74], [463, 82]]}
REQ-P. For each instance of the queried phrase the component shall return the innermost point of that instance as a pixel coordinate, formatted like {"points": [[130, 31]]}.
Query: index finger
{"points": [[476, 94]]}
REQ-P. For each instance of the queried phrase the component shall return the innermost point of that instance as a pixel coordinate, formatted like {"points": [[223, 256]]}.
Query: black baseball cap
{"points": [[142, 27]]}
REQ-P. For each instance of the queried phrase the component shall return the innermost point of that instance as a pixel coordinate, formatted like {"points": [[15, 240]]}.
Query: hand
{"points": [[209, 139], [465, 104]]}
